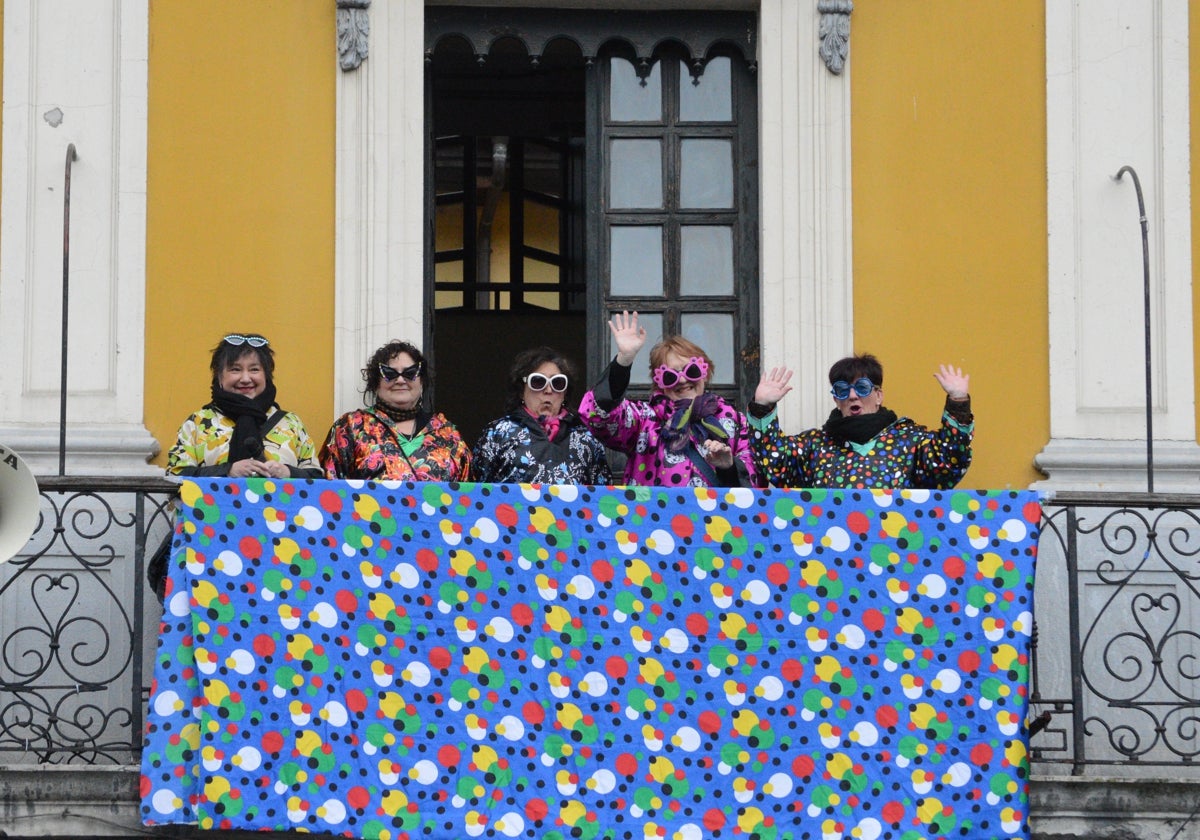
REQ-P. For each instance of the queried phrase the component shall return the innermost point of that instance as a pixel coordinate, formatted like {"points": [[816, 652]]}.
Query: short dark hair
{"points": [[853, 368], [525, 363], [226, 353], [372, 377]]}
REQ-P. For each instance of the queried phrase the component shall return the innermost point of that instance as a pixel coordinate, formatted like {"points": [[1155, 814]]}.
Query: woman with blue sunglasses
{"points": [[395, 437], [540, 439], [863, 444]]}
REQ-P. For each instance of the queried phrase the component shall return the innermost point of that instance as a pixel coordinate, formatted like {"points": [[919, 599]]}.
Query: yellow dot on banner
{"points": [[649, 542]]}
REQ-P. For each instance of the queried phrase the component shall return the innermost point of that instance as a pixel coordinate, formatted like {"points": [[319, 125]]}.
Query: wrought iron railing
{"points": [[1116, 672], [75, 630], [1115, 676]]}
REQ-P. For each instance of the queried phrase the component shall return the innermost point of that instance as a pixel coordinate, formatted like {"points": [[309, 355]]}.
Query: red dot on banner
{"points": [[330, 502], [346, 600], [356, 700], [533, 713], [792, 670], [358, 797], [778, 574], [506, 515], [264, 645], [714, 820], [887, 716], [272, 742], [681, 526], [627, 764], [449, 756], [440, 658], [968, 661], [697, 624], [602, 571], [250, 548], [616, 667], [955, 568], [873, 620], [522, 615], [536, 810], [710, 722], [981, 754], [893, 812], [427, 560]]}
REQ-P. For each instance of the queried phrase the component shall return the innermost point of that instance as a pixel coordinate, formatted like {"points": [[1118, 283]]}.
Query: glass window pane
{"points": [[706, 173], [706, 260], [707, 98], [636, 260], [713, 331], [640, 373], [635, 174], [631, 99]]}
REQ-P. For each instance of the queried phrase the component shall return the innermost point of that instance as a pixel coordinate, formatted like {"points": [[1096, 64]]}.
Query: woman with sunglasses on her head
{"points": [[684, 436], [863, 444], [395, 438], [539, 440], [243, 433]]}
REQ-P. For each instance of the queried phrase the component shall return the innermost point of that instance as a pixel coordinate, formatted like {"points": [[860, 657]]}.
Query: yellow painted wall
{"points": [[1194, 114], [240, 215], [949, 180]]}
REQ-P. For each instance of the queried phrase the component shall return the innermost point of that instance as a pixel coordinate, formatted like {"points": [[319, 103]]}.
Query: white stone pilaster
{"points": [[806, 255], [74, 73], [1117, 95], [379, 245]]}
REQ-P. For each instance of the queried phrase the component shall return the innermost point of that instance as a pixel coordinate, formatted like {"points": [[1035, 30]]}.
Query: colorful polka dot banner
{"points": [[439, 661]]}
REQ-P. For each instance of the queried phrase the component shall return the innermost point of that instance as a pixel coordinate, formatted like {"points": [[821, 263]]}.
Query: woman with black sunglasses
{"points": [[395, 437], [242, 432], [863, 444], [685, 435], [539, 440]]}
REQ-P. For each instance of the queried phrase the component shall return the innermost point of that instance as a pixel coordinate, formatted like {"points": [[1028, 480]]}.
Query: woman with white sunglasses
{"points": [[540, 440], [242, 432], [863, 444], [684, 436], [395, 437]]}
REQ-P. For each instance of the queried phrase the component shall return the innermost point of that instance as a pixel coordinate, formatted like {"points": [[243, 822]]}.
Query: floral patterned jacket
{"points": [[363, 444], [515, 449], [202, 446], [905, 454]]}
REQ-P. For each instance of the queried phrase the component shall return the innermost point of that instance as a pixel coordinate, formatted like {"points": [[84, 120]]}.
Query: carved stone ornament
{"points": [[834, 32], [353, 29]]}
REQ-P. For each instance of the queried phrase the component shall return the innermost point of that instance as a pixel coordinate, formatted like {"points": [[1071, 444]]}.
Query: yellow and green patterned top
{"points": [[202, 447]]}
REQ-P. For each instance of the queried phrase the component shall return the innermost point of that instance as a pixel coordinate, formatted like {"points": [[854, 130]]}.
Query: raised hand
{"points": [[954, 382], [628, 336], [773, 386]]}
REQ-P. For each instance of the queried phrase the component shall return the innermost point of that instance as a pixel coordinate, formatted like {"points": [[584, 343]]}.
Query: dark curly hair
{"points": [[226, 353], [525, 363], [853, 368], [372, 377]]}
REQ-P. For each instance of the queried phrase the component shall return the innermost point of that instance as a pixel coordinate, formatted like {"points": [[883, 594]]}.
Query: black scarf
{"points": [[248, 415], [858, 429], [692, 418]]}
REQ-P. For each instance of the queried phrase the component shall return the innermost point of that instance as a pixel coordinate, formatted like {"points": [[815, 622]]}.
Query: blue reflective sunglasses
{"points": [[841, 389]]}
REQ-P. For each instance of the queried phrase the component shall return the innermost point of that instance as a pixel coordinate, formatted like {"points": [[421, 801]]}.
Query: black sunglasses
{"points": [[390, 374]]}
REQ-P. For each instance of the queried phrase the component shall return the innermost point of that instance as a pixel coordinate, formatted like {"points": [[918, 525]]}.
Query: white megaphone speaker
{"points": [[19, 504]]}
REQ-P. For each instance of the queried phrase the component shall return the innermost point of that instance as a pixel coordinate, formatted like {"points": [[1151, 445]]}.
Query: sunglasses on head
{"points": [[862, 387], [237, 340], [539, 381], [390, 374], [667, 378]]}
